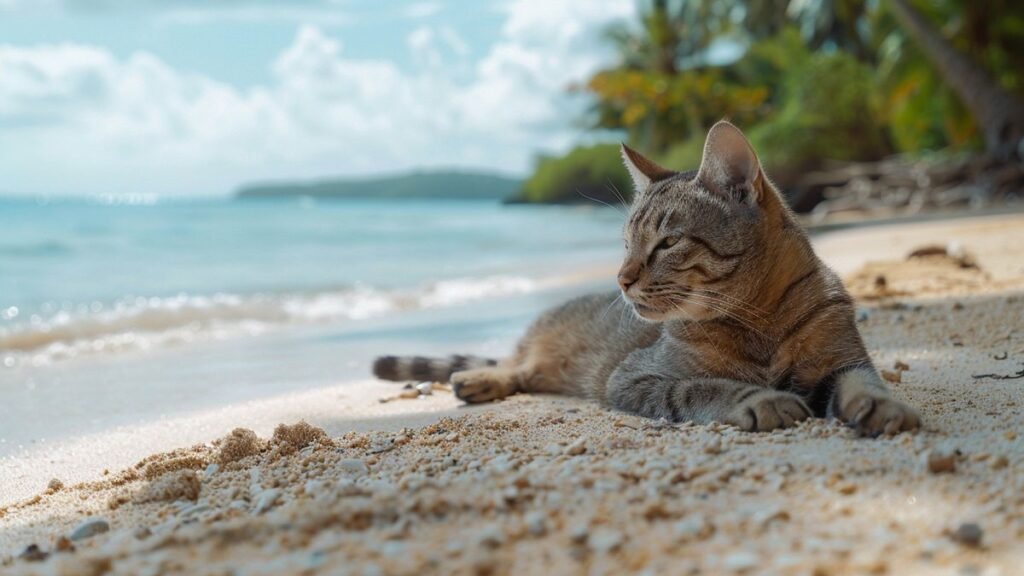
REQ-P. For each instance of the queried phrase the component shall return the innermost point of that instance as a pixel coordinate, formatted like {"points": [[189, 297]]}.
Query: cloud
{"points": [[418, 10], [322, 15], [75, 118]]}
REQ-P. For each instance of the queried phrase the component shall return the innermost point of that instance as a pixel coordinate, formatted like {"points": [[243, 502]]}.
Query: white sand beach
{"points": [[558, 485]]}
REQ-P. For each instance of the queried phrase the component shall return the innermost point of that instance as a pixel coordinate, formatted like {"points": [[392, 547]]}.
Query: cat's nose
{"points": [[626, 280]]}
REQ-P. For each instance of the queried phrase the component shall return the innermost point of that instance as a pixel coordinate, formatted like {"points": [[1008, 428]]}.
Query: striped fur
{"points": [[422, 369], [725, 314]]}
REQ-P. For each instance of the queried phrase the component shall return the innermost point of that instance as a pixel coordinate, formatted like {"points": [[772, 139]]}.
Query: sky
{"points": [[190, 97]]}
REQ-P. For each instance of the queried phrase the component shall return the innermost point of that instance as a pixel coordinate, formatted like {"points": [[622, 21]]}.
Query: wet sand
{"points": [[554, 485]]}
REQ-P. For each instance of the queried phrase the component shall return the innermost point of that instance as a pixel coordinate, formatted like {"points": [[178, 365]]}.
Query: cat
{"points": [[724, 314]]}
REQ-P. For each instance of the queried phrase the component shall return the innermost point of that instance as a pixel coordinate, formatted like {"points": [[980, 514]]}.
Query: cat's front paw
{"points": [[768, 410], [876, 414]]}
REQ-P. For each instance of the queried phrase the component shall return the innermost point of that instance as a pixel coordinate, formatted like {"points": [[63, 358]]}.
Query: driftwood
{"points": [[900, 186]]}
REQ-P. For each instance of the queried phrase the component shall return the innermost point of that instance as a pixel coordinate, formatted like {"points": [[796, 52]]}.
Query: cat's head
{"points": [[693, 238]]}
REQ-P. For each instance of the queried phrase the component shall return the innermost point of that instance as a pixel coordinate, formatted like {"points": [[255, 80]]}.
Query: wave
{"points": [[143, 323]]}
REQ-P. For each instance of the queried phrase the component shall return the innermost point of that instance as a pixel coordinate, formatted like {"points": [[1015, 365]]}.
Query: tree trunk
{"points": [[999, 114]]}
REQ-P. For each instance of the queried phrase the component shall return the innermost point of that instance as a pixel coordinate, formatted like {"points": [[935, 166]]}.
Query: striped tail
{"points": [[421, 369]]}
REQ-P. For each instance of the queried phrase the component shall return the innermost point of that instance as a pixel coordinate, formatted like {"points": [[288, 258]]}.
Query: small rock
{"points": [[142, 532], [1000, 462], [901, 366], [425, 388], [193, 509], [353, 466], [492, 536], [314, 487], [266, 499], [89, 528], [740, 561], [863, 314], [54, 485], [579, 533], [64, 545], [32, 553], [940, 462], [847, 488], [576, 448], [211, 470], [968, 534], [605, 540], [893, 377], [713, 447], [691, 528], [536, 523]]}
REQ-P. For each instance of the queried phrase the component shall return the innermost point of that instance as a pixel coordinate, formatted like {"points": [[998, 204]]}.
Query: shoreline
{"points": [[741, 498]]}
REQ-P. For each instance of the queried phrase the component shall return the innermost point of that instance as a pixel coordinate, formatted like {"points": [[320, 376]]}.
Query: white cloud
{"points": [[321, 15], [422, 10], [74, 118]]}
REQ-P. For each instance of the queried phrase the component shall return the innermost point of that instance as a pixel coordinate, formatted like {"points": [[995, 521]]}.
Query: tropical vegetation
{"points": [[810, 81]]}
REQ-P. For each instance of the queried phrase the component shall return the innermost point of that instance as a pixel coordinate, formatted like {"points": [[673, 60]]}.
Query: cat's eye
{"points": [[667, 242]]}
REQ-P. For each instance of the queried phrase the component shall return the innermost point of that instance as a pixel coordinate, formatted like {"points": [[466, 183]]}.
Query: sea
{"points": [[207, 302]]}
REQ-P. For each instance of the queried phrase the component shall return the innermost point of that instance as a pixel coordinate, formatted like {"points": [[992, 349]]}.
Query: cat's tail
{"points": [[419, 368]]}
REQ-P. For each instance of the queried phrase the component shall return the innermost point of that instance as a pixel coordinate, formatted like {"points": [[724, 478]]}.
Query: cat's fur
{"points": [[726, 315]]}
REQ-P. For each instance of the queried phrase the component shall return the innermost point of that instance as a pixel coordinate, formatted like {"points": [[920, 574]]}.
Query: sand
{"points": [[555, 485]]}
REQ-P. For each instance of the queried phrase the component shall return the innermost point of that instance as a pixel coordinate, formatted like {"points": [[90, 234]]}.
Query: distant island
{"points": [[420, 184]]}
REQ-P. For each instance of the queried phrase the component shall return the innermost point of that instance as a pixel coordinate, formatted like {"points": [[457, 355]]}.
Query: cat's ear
{"points": [[729, 166], [642, 170]]}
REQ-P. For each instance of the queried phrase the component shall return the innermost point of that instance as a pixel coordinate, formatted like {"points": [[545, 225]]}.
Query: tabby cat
{"points": [[725, 314]]}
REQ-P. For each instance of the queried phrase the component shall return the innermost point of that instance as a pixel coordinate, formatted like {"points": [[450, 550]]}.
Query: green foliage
{"points": [[829, 113], [585, 174], [658, 108], [684, 155], [821, 80]]}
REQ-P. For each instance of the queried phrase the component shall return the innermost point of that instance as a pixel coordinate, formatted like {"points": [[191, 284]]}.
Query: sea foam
{"points": [[140, 323]]}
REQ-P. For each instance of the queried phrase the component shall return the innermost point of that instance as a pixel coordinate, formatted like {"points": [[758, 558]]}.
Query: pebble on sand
{"points": [[88, 529], [353, 466], [266, 499], [32, 553], [55, 485], [576, 448], [940, 462], [968, 534]]}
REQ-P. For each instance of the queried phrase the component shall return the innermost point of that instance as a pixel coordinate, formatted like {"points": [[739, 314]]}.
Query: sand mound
{"points": [[288, 439], [926, 271], [178, 485], [241, 443]]}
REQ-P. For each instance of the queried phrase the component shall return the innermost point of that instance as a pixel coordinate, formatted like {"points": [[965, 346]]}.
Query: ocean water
{"points": [[120, 313], [80, 278]]}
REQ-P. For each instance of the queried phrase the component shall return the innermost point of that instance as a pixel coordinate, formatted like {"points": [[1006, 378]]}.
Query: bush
{"points": [[586, 172], [684, 155], [829, 112]]}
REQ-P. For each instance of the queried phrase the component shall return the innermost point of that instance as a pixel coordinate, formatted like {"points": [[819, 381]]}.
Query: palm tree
{"points": [[999, 113]]}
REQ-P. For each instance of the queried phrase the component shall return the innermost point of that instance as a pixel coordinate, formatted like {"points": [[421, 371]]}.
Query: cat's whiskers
{"points": [[711, 304], [744, 373], [614, 190], [616, 299], [747, 306], [732, 310], [599, 201]]}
